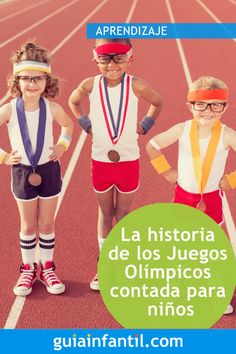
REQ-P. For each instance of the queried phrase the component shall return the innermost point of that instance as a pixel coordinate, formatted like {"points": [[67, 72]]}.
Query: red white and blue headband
{"points": [[112, 48], [28, 65]]}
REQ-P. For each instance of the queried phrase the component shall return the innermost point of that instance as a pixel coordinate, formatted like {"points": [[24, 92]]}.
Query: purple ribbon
{"points": [[33, 157]]}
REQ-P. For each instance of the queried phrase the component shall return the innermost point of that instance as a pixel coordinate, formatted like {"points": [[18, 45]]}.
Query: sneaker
{"points": [[49, 278], [229, 310], [26, 280], [94, 283]]}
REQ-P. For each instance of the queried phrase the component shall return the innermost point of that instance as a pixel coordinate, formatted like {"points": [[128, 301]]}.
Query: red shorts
{"points": [[213, 201], [123, 175]]}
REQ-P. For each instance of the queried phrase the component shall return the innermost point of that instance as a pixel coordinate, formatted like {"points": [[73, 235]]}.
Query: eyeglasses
{"points": [[214, 107], [35, 79], [106, 58]]}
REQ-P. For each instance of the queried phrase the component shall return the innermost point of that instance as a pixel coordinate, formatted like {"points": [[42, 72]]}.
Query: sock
{"points": [[100, 242], [28, 245], [46, 247]]}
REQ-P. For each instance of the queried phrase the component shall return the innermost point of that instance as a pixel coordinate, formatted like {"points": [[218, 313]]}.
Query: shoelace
{"points": [[26, 277], [50, 276]]}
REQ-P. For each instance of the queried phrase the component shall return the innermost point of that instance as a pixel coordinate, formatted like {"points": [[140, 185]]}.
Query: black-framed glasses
{"points": [[214, 106], [35, 79], [106, 58]]}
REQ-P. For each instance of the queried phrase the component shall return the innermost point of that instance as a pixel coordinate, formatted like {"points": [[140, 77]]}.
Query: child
{"points": [[204, 144], [113, 124], [36, 176]]}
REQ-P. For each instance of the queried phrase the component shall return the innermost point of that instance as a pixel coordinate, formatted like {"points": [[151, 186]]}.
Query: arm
{"points": [[156, 156], [7, 158], [75, 102], [143, 90], [228, 181], [60, 116]]}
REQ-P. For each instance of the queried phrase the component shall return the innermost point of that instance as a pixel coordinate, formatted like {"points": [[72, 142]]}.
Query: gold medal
{"points": [[34, 179], [113, 156]]}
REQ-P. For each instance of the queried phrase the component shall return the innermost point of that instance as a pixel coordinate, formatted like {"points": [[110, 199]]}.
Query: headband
{"points": [[199, 95], [31, 66], [110, 48]]}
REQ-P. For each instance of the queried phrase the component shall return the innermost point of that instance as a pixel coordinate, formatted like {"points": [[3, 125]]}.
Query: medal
{"points": [[113, 156], [202, 171], [114, 129], [34, 178], [201, 205]]}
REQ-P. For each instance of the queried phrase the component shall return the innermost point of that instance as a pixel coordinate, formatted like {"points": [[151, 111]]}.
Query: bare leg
{"points": [[105, 212], [123, 203]]}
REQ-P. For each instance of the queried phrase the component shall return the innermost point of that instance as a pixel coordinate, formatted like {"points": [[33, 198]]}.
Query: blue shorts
{"points": [[49, 188]]}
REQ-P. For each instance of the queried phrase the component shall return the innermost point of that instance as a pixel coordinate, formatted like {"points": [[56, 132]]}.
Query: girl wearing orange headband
{"points": [[204, 143], [113, 123]]}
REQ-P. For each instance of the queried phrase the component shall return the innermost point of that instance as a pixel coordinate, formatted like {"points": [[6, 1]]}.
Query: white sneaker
{"points": [[229, 310], [94, 285]]}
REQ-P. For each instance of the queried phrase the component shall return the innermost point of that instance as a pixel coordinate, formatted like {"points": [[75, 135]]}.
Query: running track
{"points": [[169, 66]]}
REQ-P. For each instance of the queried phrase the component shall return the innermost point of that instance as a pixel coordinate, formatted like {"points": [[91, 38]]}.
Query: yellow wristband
{"points": [[231, 178], [3, 155], [160, 164], [63, 143]]}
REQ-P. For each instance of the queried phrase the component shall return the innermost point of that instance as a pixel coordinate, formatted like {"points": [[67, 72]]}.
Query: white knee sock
{"points": [[100, 242], [28, 245], [46, 247]]}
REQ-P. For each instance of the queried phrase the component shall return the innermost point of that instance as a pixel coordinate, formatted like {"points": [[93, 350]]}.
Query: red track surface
{"points": [[158, 62]]}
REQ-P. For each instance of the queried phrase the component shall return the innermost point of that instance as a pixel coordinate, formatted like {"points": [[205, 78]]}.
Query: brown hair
{"points": [[34, 52]]}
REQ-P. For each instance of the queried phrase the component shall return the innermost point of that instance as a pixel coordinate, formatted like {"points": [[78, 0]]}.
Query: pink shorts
{"points": [[213, 201], [123, 175]]}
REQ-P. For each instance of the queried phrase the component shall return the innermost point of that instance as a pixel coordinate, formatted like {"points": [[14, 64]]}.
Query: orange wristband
{"points": [[231, 178], [160, 164]]}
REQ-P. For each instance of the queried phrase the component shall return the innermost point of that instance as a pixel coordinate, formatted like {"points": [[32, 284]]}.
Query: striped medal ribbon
{"points": [[202, 172], [34, 178], [114, 129]]}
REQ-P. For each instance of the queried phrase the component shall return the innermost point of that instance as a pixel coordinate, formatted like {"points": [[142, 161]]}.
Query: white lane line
{"points": [[227, 213], [23, 10], [18, 304], [233, 2], [215, 18], [44, 19]]}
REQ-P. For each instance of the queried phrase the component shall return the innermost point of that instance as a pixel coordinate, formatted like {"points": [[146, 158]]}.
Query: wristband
{"points": [[85, 123], [231, 179], [154, 144], [3, 154], [160, 164], [64, 140], [146, 123]]}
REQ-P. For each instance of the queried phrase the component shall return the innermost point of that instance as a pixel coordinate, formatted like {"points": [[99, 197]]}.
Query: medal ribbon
{"points": [[33, 157], [202, 172], [115, 135]]}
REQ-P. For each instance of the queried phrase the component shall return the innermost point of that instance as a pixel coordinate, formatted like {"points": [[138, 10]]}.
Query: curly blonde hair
{"points": [[33, 52]]}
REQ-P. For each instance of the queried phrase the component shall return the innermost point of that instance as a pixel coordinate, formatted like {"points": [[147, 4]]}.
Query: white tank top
{"points": [[32, 119], [127, 145], [186, 175]]}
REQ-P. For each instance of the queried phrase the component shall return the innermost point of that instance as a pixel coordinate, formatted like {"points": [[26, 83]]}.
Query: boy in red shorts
{"points": [[113, 124], [204, 143]]}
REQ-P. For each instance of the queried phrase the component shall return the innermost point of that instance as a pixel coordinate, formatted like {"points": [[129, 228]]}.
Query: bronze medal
{"points": [[201, 205], [113, 156], [34, 179]]}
